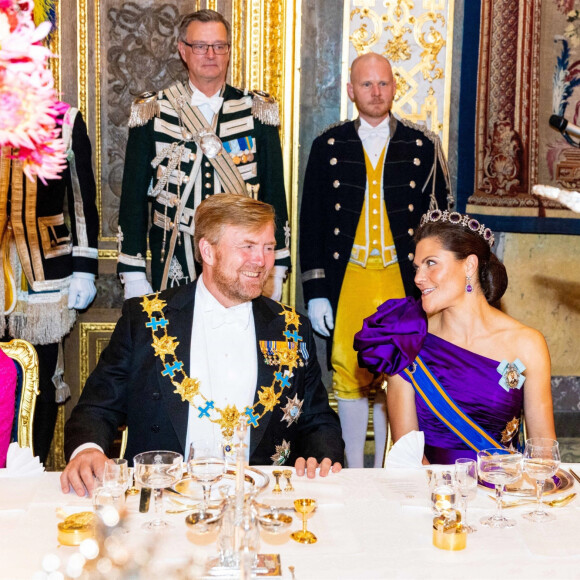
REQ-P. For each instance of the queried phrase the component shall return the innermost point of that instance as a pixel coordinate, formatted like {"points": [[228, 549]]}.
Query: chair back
{"points": [[26, 359]]}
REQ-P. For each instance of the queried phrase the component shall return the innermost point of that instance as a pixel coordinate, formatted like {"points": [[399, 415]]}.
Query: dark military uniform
{"points": [[49, 249], [415, 173], [159, 146]]}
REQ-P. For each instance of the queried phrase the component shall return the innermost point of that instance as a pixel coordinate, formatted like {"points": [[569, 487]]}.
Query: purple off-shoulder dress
{"points": [[391, 339]]}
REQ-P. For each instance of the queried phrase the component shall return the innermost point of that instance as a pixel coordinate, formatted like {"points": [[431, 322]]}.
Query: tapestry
{"points": [[528, 68]]}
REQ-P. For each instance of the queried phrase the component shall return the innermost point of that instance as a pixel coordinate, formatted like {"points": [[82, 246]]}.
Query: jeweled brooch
{"points": [[292, 410], [511, 374], [282, 453]]}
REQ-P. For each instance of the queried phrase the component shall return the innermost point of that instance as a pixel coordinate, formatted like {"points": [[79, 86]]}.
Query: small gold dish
{"points": [[76, 528]]}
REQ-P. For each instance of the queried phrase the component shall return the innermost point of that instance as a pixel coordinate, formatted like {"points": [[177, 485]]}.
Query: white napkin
{"points": [[407, 452], [21, 463]]}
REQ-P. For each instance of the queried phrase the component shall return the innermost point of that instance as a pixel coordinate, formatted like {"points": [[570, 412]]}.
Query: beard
{"points": [[235, 286]]}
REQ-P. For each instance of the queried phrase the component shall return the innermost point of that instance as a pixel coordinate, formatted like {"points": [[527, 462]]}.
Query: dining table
{"points": [[369, 523]]}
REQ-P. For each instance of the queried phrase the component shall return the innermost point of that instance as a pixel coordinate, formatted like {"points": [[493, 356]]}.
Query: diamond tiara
{"points": [[459, 219]]}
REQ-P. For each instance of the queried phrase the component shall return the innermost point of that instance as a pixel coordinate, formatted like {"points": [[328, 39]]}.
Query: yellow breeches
{"points": [[363, 291]]}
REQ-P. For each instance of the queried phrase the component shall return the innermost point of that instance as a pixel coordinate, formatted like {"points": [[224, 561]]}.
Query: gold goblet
{"points": [[304, 507]]}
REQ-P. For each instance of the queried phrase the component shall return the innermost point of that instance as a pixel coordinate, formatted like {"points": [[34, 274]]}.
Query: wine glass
{"points": [[304, 507], [499, 467], [541, 461], [206, 464], [157, 470], [466, 481]]}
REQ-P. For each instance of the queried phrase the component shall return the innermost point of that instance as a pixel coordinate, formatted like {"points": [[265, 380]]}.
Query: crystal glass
{"points": [[443, 491], [466, 482], [116, 477], [206, 464], [157, 470], [500, 468], [541, 461]]}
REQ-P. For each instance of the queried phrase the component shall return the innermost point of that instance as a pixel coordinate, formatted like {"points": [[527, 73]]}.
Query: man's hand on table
{"points": [[81, 471], [309, 466]]}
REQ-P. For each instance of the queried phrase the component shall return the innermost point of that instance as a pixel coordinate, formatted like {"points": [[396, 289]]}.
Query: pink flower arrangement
{"points": [[29, 105]]}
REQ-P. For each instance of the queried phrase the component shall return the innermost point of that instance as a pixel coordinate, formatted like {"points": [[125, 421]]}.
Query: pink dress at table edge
{"points": [[7, 398]]}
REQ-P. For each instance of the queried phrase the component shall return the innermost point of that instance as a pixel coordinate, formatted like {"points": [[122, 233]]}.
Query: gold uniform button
{"points": [[419, 143], [374, 181], [411, 256], [375, 243], [336, 231], [412, 184], [410, 231], [417, 161], [206, 195], [333, 161], [192, 156], [331, 141], [336, 184], [186, 179], [337, 207], [336, 255], [411, 207], [208, 174], [375, 196], [207, 185], [375, 211], [207, 163], [375, 227]]}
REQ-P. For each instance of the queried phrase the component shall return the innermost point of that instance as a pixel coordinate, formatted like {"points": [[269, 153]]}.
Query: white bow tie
{"points": [[215, 102], [236, 316], [365, 132]]}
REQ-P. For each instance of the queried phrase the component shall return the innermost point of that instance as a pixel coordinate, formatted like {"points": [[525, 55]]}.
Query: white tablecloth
{"points": [[370, 523]]}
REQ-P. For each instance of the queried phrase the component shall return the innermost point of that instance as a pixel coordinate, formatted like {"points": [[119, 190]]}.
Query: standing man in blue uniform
{"points": [[190, 141], [366, 186]]}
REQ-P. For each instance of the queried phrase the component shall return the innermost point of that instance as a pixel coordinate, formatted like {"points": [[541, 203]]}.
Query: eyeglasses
{"points": [[202, 48]]}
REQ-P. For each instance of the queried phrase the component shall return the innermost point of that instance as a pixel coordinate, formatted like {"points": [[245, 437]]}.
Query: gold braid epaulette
{"points": [[143, 109], [265, 108]]}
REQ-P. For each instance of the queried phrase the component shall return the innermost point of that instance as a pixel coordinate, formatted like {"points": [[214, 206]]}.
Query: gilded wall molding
{"points": [[86, 332]]}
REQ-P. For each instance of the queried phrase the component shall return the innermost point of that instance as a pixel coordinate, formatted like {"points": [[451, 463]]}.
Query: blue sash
{"points": [[446, 409]]}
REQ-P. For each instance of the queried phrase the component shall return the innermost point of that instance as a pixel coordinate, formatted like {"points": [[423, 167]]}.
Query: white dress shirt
{"points": [[374, 139], [223, 358], [208, 106]]}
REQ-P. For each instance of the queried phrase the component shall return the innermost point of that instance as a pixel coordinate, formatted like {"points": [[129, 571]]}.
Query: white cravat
{"points": [[374, 139], [223, 358], [209, 106]]}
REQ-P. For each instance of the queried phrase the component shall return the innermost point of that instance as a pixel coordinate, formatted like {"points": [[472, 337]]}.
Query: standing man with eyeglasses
{"points": [[190, 141]]}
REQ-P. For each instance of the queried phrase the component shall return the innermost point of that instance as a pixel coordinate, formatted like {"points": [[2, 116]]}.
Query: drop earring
{"points": [[468, 286]]}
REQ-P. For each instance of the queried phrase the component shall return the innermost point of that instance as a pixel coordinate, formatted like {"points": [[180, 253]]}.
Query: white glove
{"points": [[135, 284], [82, 290], [320, 314], [276, 279]]}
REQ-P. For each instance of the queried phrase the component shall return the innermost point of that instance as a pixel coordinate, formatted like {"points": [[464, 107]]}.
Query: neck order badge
{"points": [[286, 357]]}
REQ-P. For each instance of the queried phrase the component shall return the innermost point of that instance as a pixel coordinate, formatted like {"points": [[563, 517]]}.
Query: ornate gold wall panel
{"points": [[416, 36]]}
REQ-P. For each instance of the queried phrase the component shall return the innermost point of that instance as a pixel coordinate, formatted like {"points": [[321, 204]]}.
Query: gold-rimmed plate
{"points": [[526, 486], [255, 481]]}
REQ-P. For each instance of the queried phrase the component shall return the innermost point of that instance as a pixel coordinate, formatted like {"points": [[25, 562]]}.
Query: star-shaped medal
{"points": [[151, 305], [268, 398], [282, 453], [292, 410], [291, 317]]}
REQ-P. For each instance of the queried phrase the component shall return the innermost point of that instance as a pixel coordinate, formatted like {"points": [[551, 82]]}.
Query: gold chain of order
{"points": [[188, 388]]}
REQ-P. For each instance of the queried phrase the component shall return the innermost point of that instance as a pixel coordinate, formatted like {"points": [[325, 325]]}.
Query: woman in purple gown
{"points": [[482, 366]]}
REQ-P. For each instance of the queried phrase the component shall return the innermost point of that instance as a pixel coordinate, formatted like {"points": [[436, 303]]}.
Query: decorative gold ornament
{"points": [[189, 387]]}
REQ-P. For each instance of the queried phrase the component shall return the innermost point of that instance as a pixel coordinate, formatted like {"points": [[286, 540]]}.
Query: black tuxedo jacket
{"points": [[127, 388]]}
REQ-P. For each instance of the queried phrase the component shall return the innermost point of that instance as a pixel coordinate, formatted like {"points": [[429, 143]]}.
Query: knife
{"points": [[575, 475], [144, 499]]}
